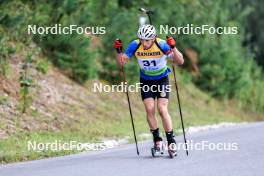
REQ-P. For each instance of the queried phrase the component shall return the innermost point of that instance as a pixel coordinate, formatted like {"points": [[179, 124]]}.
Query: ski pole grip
{"points": [[167, 36], [119, 50]]}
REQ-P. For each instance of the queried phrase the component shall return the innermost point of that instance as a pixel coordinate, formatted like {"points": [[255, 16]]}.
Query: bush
{"points": [[42, 66]]}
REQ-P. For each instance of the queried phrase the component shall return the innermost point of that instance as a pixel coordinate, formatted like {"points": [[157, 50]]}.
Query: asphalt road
{"points": [[247, 160]]}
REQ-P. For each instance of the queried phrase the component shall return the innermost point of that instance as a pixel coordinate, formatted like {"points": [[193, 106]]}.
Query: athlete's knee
{"points": [[150, 110], [163, 110]]}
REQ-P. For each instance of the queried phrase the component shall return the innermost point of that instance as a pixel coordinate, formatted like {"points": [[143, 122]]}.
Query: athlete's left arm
{"points": [[176, 55]]}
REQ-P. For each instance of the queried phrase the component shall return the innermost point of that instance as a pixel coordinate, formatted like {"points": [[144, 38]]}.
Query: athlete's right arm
{"points": [[123, 58]]}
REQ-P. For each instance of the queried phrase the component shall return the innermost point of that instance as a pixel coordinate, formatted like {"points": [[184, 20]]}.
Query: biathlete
{"points": [[152, 54]]}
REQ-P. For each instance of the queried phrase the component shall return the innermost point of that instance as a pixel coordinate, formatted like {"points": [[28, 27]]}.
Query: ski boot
{"points": [[158, 148]]}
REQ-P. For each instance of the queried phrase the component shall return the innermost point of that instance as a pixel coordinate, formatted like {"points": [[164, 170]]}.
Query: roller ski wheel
{"points": [[158, 149], [172, 151]]}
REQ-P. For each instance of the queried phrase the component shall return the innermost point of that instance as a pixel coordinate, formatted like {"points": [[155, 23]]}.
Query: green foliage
{"points": [[74, 57], [3, 58], [254, 36], [72, 53], [42, 66], [14, 16], [26, 82], [5, 51], [251, 94], [3, 100]]}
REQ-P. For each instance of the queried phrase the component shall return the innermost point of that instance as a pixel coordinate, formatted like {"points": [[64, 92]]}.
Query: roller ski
{"points": [[172, 148], [158, 148]]}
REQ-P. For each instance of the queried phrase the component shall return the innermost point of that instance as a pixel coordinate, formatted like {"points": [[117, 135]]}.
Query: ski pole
{"points": [[179, 103], [119, 51], [148, 12]]}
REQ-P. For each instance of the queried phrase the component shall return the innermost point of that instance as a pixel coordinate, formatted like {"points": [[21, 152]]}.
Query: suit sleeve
{"points": [[130, 50], [164, 46]]}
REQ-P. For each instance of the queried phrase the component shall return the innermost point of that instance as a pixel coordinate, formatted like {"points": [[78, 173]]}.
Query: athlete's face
{"points": [[147, 43]]}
